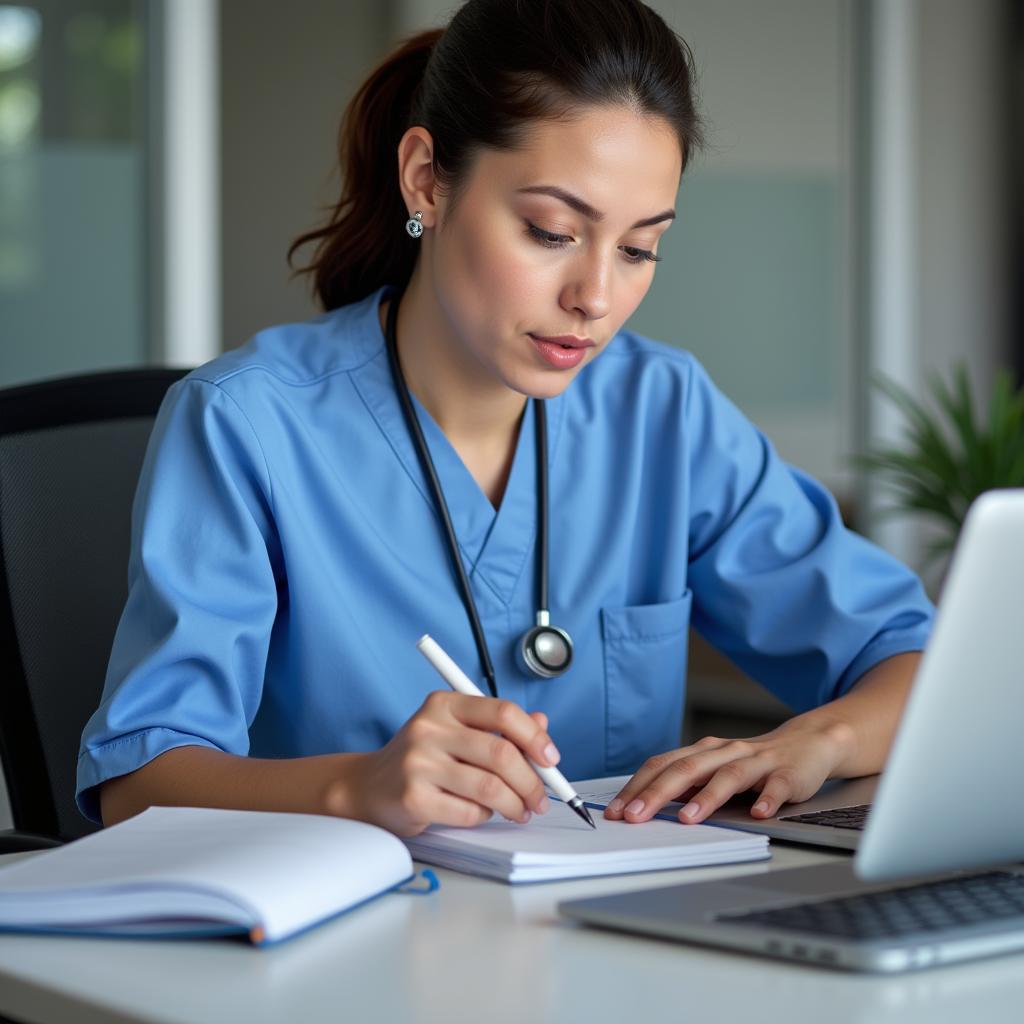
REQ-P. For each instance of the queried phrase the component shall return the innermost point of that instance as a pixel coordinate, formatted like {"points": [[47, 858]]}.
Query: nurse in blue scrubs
{"points": [[501, 219]]}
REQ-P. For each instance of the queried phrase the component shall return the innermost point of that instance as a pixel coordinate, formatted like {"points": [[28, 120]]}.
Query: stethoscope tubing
{"points": [[427, 464], [441, 505]]}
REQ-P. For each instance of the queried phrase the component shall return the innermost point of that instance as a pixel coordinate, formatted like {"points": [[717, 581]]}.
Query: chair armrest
{"points": [[13, 840]]}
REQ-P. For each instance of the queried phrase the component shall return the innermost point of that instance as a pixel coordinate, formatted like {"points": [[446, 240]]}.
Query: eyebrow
{"points": [[588, 211]]}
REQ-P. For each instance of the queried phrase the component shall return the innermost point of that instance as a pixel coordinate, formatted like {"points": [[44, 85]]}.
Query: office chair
{"points": [[70, 454]]}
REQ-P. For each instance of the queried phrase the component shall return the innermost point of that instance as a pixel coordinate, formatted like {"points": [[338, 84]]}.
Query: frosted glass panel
{"points": [[72, 166], [72, 300], [747, 284]]}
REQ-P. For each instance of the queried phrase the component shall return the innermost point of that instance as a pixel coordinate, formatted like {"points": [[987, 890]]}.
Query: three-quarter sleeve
{"points": [[799, 602], [189, 655]]}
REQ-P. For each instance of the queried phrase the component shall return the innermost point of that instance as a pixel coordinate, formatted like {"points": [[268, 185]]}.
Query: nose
{"points": [[588, 291]]}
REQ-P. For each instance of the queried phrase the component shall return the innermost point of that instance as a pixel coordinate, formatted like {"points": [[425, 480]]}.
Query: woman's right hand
{"points": [[457, 760]]}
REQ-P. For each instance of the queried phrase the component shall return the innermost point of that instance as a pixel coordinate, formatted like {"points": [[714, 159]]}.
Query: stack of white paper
{"points": [[559, 845]]}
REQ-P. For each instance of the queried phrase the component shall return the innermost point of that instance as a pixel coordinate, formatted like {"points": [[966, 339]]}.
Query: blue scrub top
{"points": [[286, 555]]}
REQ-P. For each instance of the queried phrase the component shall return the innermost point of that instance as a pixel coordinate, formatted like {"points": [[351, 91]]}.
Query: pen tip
{"points": [[581, 809]]}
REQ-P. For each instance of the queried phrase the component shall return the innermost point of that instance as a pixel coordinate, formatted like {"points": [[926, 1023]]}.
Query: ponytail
{"points": [[362, 245]]}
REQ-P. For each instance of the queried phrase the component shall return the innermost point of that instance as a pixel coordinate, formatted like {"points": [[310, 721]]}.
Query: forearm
{"points": [[866, 718], [195, 776]]}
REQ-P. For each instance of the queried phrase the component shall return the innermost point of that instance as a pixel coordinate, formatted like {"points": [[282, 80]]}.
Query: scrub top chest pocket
{"points": [[645, 675]]}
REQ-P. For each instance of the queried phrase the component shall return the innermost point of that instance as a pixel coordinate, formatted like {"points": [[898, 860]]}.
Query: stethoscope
{"points": [[544, 650]]}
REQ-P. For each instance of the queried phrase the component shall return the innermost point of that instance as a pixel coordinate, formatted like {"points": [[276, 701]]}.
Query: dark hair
{"points": [[499, 66]]}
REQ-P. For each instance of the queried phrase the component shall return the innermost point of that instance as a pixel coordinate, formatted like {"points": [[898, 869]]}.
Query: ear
{"points": [[416, 173]]}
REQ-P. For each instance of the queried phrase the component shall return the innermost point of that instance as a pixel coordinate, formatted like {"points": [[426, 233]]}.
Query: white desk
{"points": [[479, 951]]}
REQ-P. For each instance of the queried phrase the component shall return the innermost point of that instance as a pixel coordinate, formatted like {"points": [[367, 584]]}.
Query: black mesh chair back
{"points": [[70, 454]]}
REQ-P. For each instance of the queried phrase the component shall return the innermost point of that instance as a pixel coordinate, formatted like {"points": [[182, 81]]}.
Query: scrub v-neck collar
{"points": [[495, 543]]}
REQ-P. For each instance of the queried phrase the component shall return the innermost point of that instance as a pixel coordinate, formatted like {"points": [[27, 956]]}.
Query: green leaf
{"points": [[949, 454]]}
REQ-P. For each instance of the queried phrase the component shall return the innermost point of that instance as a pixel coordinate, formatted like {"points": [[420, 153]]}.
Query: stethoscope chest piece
{"points": [[545, 650]]}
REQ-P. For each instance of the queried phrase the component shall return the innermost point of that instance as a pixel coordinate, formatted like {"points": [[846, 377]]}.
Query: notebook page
{"points": [[560, 838], [601, 792]]}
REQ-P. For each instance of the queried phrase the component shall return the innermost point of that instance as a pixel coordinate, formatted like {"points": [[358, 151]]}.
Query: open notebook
{"points": [[198, 871], [558, 845]]}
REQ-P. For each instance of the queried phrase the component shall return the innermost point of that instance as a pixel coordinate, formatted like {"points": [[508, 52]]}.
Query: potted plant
{"points": [[949, 454]]}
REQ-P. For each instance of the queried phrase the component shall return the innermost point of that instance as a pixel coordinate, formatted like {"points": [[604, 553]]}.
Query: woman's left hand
{"points": [[845, 738], [789, 763]]}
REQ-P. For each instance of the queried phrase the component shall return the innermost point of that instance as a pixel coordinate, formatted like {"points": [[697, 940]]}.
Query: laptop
{"points": [[934, 878]]}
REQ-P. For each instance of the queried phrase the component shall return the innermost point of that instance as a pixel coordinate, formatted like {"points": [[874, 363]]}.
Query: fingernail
{"points": [[691, 810], [551, 754], [636, 807], [525, 819], [615, 806], [542, 807], [761, 807]]}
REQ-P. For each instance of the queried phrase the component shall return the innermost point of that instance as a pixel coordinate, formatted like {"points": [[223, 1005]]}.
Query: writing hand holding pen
{"points": [[456, 761], [461, 683]]}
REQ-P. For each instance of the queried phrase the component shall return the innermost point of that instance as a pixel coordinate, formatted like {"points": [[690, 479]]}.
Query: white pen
{"points": [[461, 683]]}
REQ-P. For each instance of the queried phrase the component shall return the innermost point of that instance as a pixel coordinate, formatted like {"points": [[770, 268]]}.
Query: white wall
{"points": [[412, 15], [287, 72], [963, 282], [939, 238], [185, 174], [6, 821], [771, 79]]}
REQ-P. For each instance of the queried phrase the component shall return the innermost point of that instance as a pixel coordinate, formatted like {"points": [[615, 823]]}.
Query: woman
{"points": [[500, 220]]}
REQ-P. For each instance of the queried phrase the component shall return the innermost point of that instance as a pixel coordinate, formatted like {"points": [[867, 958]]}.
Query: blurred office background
{"points": [[859, 207]]}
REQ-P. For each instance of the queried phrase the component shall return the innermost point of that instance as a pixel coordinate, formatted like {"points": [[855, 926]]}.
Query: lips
{"points": [[562, 352], [565, 340]]}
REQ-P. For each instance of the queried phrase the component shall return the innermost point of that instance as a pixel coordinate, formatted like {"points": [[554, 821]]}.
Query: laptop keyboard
{"points": [[927, 907], [837, 817]]}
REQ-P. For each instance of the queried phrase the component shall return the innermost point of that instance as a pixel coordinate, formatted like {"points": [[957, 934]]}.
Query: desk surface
{"points": [[479, 951]]}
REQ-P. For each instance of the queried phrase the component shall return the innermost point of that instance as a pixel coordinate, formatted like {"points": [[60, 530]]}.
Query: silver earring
{"points": [[414, 225]]}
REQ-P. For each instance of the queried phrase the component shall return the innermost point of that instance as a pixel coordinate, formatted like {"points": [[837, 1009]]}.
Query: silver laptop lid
{"points": [[949, 797]]}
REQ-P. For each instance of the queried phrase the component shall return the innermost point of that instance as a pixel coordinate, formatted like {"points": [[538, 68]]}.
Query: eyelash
{"points": [[552, 241]]}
